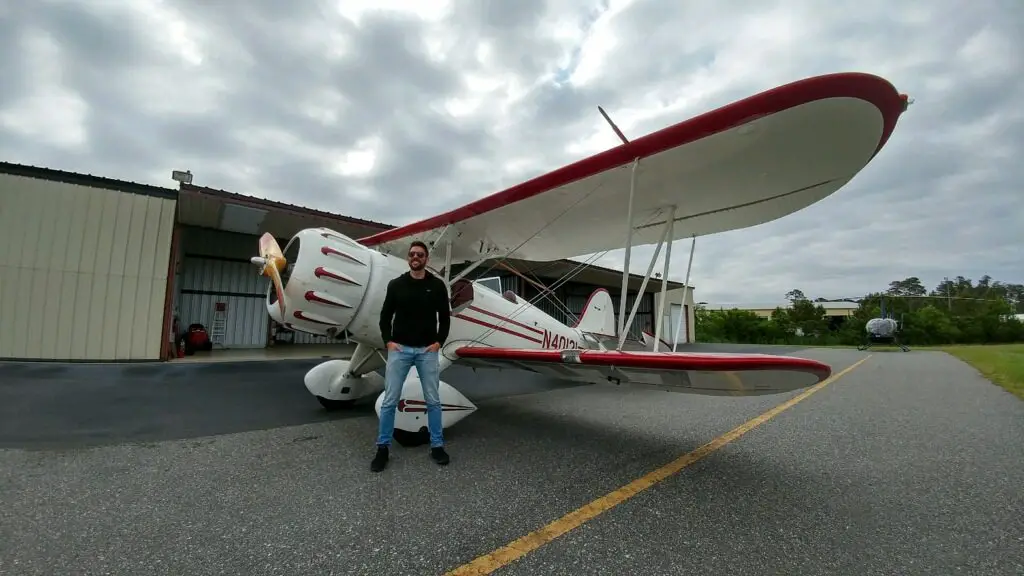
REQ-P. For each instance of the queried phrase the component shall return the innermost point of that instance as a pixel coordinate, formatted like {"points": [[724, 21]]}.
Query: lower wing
{"points": [[711, 374]]}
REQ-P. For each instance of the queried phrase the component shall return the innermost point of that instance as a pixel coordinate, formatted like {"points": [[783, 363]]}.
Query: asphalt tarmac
{"points": [[911, 463], [64, 405], [79, 405]]}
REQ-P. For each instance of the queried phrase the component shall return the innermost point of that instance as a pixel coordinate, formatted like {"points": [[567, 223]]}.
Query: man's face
{"points": [[417, 258]]}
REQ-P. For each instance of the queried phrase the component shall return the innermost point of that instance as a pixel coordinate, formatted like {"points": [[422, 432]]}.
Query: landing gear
{"points": [[337, 384], [866, 345], [411, 413], [335, 405]]}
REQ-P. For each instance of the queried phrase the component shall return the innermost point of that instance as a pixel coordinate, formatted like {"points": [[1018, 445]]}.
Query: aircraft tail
{"points": [[598, 315]]}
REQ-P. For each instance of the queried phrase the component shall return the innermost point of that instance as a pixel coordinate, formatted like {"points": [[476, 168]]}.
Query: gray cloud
{"points": [[289, 102]]}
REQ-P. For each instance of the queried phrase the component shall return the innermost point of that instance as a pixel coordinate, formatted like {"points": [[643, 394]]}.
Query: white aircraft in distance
{"points": [[741, 165]]}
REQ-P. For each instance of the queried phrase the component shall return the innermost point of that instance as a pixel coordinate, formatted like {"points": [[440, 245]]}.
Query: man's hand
{"points": [[392, 346], [433, 347]]}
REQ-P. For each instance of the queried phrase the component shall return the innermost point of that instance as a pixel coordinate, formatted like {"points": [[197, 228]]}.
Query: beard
{"points": [[417, 265]]}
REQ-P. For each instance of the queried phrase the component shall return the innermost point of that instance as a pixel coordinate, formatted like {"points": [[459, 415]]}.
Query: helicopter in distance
{"points": [[882, 330]]}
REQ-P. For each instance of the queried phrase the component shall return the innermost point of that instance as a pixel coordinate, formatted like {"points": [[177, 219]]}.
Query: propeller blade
{"points": [[273, 263]]}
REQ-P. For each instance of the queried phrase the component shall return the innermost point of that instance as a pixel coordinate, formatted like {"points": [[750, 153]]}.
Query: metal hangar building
{"points": [[98, 269]]}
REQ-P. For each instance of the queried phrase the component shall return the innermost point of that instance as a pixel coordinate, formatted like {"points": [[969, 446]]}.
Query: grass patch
{"points": [[1003, 364]]}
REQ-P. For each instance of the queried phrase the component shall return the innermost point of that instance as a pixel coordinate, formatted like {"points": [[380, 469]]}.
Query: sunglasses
{"points": [[417, 254]]}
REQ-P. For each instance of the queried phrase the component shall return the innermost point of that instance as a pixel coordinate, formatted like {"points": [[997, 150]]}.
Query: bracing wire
{"points": [[568, 276]]}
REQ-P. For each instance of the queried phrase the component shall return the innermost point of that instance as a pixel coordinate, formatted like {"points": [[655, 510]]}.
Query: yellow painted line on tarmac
{"points": [[515, 550]]}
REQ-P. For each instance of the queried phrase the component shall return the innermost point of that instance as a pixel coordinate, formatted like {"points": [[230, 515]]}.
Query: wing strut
{"points": [[647, 276], [629, 236], [629, 249], [660, 318], [622, 321], [682, 302], [448, 261], [469, 268]]}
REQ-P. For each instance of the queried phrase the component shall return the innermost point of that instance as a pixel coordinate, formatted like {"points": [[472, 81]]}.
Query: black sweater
{"points": [[415, 312]]}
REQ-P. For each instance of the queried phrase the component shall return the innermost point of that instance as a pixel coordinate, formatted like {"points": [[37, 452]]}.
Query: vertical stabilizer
{"points": [[598, 315]]}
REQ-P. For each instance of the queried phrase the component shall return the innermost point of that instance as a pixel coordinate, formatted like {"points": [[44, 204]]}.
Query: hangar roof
{"points": [[222, 210], [89, 180]]}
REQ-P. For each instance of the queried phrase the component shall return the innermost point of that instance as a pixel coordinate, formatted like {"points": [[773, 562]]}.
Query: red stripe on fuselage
{"points": [[506, 319], [499, 328], [421, 406]]}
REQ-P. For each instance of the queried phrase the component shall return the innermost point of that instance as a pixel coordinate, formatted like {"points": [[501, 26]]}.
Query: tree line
{"points": [[956, 311]]}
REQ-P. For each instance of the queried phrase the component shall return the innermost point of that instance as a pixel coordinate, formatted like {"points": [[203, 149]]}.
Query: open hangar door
{"points": [[671, 321], [216, 283], [218, 287], [672, 325]]}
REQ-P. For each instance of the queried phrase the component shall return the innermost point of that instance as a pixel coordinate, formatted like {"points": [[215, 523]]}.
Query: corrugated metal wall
{"points": [[216, 268], [644, 314], [307, 338], [204, 282], [83, 271]]}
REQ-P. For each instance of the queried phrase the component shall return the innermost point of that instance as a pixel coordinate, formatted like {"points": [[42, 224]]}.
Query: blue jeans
{"points": [[399, 363]]}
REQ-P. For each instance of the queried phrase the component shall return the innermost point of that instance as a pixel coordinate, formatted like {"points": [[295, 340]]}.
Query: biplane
{"points": [[741, 165]]}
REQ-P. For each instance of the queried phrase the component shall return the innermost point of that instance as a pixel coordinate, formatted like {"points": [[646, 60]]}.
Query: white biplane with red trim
{"points": [[741, 165]]}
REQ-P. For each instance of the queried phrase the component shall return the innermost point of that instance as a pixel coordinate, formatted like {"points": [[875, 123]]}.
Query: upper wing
{"points": [[713, 374], [741, 165]]}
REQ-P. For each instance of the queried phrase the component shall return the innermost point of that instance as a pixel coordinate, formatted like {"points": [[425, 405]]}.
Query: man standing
{"points": [[414, 322]]}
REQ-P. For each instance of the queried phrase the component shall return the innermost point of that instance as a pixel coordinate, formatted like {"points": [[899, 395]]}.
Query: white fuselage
{"points": [[335, 284]]}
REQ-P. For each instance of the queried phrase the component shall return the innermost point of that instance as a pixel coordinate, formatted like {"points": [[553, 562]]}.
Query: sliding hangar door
{"points": [[83, 268]]}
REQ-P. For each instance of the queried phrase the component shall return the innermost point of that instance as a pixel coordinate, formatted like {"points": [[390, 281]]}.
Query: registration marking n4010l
{"points": [[557, 341]]}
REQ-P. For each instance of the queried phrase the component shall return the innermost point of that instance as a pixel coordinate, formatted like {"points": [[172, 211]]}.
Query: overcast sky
{"points": [[396, 113]]}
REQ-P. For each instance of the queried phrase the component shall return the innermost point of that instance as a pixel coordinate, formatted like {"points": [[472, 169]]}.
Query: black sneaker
{"points": [[439, 455], [380, 461]]}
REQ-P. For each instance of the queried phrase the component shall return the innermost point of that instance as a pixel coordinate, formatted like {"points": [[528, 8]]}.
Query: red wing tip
{"points": [[709, 361]]}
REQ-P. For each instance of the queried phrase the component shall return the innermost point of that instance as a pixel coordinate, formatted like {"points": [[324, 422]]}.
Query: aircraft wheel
{"points": [[412, 439], [332, 405]]}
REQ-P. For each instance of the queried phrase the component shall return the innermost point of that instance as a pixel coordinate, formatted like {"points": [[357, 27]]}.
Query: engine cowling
{"points": [[325, 284]]}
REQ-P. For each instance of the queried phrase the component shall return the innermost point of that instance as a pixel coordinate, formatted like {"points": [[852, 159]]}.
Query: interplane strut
{"points": [[643, 285], [686, 290], [660, 318], [624, 320], [629, 250]]}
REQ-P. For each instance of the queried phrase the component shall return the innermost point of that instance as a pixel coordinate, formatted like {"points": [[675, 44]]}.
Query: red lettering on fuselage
{"points": [[558, 342]]}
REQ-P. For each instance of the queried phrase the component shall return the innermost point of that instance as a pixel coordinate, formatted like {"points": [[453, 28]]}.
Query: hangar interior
{"points": [[216, 285], [97, 269]]}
